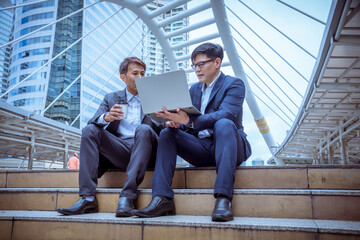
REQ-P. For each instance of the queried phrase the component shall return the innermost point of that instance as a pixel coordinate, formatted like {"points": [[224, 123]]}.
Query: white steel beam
{"points": [[218, 8], [152, 24], [167, 7], [190, 28], [184, 14], [195, 41]]}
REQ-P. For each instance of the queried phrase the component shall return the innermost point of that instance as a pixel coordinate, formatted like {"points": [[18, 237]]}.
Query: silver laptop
{"points": [[169, 90]]}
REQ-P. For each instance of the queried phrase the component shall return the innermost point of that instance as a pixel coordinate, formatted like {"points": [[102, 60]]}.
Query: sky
{"points": [[303, 30]]}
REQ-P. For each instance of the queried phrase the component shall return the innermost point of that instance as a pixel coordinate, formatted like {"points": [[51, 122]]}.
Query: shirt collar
{"points": [[211, 84], [129, 96]]}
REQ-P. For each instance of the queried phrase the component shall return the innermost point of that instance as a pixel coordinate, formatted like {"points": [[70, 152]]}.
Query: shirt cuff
{"points": [[101, 120], [188, 123]]}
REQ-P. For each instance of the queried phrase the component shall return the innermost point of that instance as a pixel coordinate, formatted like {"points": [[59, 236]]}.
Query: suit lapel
{"points": [[120, 97], [216, 88], [197, 97]]}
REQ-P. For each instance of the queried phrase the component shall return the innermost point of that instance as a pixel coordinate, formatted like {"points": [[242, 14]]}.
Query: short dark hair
{"points": [[125, 64], [211, 50]]}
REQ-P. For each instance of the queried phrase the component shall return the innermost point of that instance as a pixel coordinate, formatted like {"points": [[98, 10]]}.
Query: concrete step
{"points": [[274, 203], [278, 177], [51, 225]]}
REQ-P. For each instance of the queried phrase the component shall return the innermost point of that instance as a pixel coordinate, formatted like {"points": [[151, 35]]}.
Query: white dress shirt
{"points": [[206, 91], [128, 126]]}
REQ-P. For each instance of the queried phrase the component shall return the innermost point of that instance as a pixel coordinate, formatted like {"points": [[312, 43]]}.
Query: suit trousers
{"points": [[222, 150], [132, 154]]}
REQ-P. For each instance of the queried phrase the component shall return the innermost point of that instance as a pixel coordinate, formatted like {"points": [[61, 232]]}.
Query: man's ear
{"points": [[123, 77], [218, 62]]}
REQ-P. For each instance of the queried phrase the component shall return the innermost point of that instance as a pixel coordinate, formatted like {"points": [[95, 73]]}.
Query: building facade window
{"points": [[29, 53], [27, 89], [37, 76], [38, 5], [38, 16], [34, 40], [27, 102], [33, 28], [27, 65]]}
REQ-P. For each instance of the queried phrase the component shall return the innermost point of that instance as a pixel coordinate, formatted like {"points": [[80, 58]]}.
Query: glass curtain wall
{"points": [[6, 26], [103, 50], [66, 68], [30, 53]]}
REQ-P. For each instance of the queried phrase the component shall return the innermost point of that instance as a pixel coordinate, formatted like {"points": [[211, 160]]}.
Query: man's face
{"points": [[134, 71], [209, 70]]}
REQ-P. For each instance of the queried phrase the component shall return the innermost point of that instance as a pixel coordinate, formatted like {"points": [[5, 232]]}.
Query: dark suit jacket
{"points": [[226, 101], [109, 101]]}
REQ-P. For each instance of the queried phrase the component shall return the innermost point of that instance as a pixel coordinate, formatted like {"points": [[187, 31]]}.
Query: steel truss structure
{"points": [[31, 137], [327, 127]]}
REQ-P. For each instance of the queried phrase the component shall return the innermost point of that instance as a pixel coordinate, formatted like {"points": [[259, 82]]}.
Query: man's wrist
{"points": [[188, 123]]}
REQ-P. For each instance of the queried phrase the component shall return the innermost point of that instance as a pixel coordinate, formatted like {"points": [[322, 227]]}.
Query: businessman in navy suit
{"points": [[111, 141], [215, 138]]}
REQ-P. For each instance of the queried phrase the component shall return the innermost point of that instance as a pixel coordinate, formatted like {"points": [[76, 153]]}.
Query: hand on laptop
{"points": [[179, 117], [172, 124]]}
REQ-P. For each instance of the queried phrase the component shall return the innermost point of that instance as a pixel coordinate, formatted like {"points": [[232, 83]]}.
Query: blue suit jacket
{"points": [[226, 101]]}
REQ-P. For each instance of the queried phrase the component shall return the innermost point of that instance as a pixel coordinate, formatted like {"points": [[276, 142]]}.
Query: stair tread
{"points": [[299, 166], [342, 192], [253, 223]]}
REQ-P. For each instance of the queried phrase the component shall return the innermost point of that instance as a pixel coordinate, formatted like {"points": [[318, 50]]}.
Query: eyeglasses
{"points": [[201, 64]]}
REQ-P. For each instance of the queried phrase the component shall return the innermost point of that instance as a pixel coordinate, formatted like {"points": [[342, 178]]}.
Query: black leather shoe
{"points": [[80, 207], [125, 207], [159, 206], [222, 210]]}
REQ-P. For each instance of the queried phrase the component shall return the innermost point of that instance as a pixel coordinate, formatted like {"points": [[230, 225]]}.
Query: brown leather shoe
{"points": [[222, 210], [159, 206], [125, 207], [80, 207]]}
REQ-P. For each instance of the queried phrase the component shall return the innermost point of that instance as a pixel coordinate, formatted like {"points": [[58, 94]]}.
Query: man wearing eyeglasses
{"points": [[215, 138]]}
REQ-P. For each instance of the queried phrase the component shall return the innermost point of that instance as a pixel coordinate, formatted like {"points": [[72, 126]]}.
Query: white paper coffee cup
{"points": [[124, 108]]}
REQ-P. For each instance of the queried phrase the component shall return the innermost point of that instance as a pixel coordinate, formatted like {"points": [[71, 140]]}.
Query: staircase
{"points": [[281, 202]]}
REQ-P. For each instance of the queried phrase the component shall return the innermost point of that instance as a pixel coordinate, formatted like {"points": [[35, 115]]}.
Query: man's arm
{"points": [[229, 107], [106, 112], [103, 108]]}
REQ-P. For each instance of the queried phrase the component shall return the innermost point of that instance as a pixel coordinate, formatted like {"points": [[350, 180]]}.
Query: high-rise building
{"points": [[30, 53], [108, 33], [152, 54], [87, 57], [6, 25], [118, 38], [65, 69]]}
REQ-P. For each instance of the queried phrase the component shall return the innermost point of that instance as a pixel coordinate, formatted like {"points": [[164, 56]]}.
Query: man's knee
{"points": [[91, 130], [144, 131], [167, 133], [224, 127]]}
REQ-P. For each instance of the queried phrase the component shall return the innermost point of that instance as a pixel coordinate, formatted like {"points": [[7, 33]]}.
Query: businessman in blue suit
{"points": [[215, 138]]}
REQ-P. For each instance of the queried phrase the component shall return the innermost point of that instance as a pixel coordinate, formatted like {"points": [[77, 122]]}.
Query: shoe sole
{"points": [[222, 218], [90, 210], [123, 214], [169, 213]]}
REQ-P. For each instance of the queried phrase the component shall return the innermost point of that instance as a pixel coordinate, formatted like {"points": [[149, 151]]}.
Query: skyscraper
{"points": [[30, 53], [66, 67], [108, 34], [6, 24], [86, 57], [152, 54], [103, 50]]}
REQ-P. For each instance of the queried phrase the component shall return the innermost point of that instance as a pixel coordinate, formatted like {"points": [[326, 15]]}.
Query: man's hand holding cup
{"points": [[117, 112]]}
